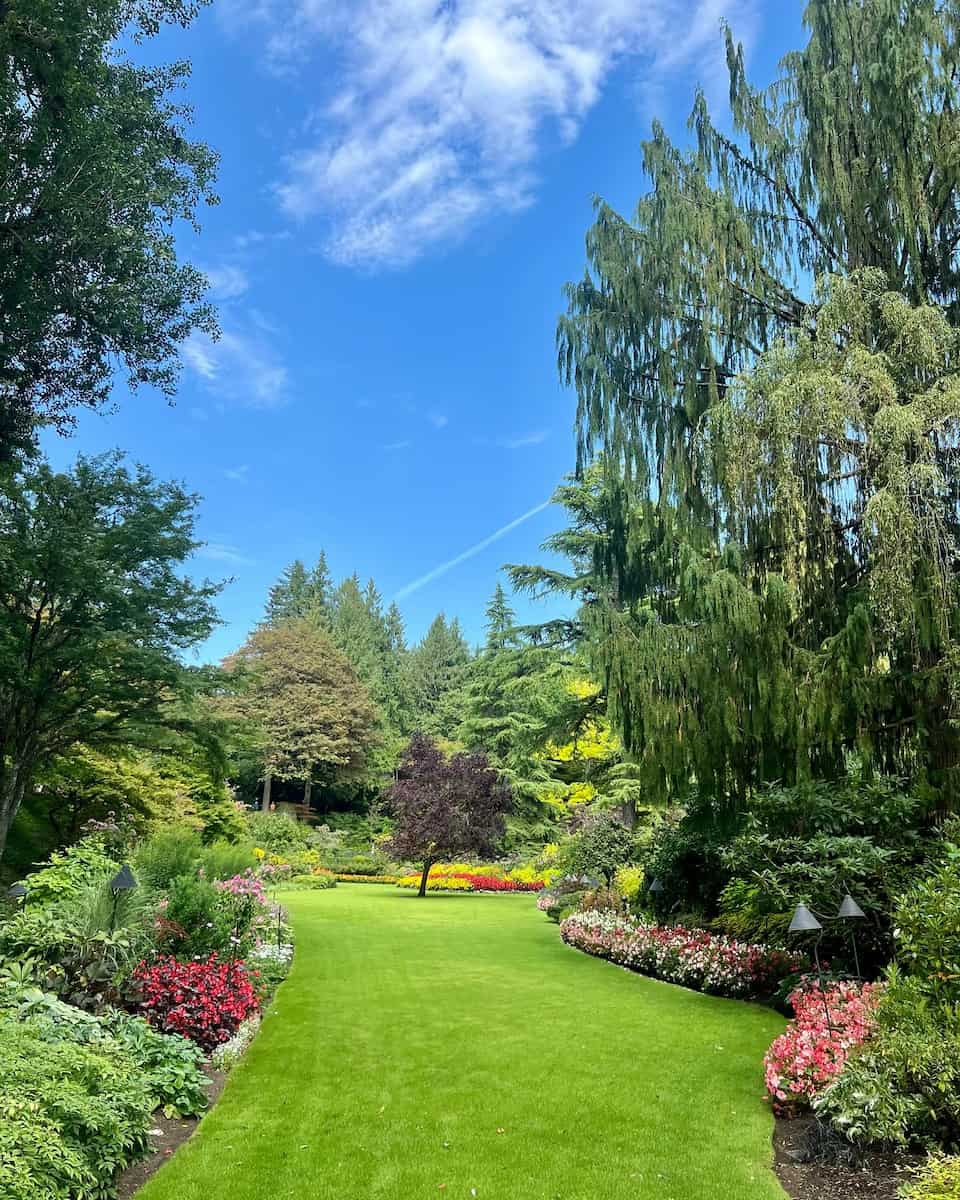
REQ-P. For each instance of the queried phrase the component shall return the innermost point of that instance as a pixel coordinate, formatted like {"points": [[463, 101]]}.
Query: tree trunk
{"points": [[12, 787], [307, 792], [265, 803], [424, 877]]}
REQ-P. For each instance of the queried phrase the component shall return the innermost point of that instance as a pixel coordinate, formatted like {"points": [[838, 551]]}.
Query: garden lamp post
{"points": [[806, 920], [123, 881], [656, 887], [17, 891]]}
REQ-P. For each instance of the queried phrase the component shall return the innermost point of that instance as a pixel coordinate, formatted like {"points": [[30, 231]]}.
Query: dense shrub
{"points": [[171, 1065], [319, 881], [902, 1087], [276, 832], [223, 860], [204, 1001], [691, 957], [937, 1179], [810, 1054], [927, 932], [599, 848], [167, 855], [73, 1115], [200, 918], [343, 877], [70, 872]]}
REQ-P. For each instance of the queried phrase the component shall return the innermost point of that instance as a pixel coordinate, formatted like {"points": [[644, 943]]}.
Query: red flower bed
{"points": [[205, 1001], [488, 883]]}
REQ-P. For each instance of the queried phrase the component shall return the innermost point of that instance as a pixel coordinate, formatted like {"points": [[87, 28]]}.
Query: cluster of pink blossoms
{"points": [[693, 958], [247, 884], [803, 1061]]}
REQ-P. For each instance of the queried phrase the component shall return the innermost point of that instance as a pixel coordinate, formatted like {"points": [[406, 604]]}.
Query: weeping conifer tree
{"points": [[739, 640]]}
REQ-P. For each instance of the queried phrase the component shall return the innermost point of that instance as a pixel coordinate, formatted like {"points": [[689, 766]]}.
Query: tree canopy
{"points": [[445, 808], [93, 612], [95, 169]]}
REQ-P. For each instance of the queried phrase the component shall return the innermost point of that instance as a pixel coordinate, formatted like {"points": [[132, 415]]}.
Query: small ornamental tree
{"points": [[445, 808]]}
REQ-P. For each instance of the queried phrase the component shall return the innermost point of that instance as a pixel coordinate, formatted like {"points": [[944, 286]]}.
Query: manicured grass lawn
{"points": [[454, 1047]]}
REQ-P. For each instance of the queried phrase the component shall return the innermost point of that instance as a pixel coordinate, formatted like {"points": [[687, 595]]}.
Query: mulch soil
{"points": [[166, 1135], [805, 1175]]}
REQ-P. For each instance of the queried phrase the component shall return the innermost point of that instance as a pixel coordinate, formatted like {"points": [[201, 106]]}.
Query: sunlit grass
{"points": [[453, 1047]]}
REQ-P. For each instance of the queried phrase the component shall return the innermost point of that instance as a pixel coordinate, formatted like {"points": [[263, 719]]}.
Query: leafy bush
{"points": [[204, 1001], [312, 883], [223, 860], [70, 872], [166, 856], [343, 877], [601, 846], [170, 1064], [73, 1115], [201, 918], [927, 932], [276, 832], [902, 1087], [810, 1054], [691, 957], [937, 1179]]}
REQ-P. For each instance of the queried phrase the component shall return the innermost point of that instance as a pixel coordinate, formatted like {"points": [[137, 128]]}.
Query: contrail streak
{"points": [[443, 568]]}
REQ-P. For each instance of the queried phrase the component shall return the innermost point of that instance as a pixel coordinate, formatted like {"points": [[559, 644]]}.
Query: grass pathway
{"points": [[453, 1047]]}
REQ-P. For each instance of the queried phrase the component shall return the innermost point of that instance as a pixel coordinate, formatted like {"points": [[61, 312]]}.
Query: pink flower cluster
{"points": [[692, 958], [805, 1059], [247, 884]]}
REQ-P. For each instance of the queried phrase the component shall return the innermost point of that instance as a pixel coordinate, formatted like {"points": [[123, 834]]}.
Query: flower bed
{"points": [[805, 1059], [462, 877], [205, 1001], [344, 877], [692, 958]]}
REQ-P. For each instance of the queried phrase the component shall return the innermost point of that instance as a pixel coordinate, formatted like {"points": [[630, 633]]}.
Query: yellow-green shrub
{"points": [[628, 883], [937, 1179]]}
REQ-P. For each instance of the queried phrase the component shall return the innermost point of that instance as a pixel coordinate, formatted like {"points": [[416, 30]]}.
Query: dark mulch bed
{"points": [[169, 1135], [808, 1167]]}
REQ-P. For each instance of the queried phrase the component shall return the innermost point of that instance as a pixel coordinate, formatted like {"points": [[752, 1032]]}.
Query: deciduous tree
{"points": [[445, 808]]}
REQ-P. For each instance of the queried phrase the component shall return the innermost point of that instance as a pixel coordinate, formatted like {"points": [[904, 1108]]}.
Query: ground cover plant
{"points": [[438, 1020]]}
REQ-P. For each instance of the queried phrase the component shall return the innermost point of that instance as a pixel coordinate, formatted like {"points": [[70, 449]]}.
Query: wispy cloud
{"points": [[403, 444], [520, 440], [243, 364], [227, 281], [237, 474], [223, 552], [432, 116], [480, 546], [438, 420]]}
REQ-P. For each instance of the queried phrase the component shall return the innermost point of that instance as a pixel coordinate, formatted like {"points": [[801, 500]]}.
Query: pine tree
{"points": [[501, 619], [730, 657], [437, 670]]}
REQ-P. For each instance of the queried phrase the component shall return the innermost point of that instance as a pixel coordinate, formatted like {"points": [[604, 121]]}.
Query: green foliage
{"points": [[166, 855], [603, 845], [770, 583], [937, 1179], [200, 919], [97, 169], [310, 883], [813, 843], [73, 1115], [437, 670], [277, 832], [82, 606], [927, 932], [223, 860], [70, 872], [902, 1087]]}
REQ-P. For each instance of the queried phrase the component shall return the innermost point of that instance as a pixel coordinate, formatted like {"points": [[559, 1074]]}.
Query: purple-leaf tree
{"points": [[445, 808]]}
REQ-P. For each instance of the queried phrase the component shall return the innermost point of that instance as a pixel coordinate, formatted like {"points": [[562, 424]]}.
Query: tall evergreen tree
{"points": [[501, 619], [437, 667], [845, 163]]}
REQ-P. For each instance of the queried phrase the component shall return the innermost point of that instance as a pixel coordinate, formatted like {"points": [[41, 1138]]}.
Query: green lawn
{"points": [[454, 1047]]}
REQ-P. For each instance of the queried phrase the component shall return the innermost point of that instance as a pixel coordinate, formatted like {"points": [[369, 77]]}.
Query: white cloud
{"points": [[227, 281], [402, 445], [241, 365], [433, 114], [224, 552], [237, 474], [518, 441], [438, 420]]}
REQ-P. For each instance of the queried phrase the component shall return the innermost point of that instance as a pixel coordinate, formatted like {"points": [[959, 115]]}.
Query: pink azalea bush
{"points": [[692, 958], [805, 1059]]}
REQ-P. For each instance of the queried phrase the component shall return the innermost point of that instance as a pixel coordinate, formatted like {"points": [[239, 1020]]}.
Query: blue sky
{"points": [[405, 188]]}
